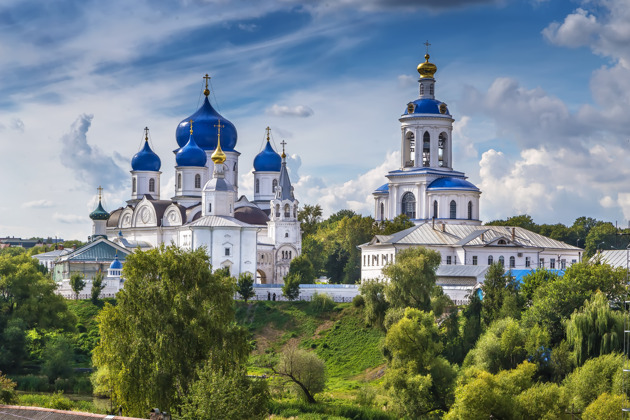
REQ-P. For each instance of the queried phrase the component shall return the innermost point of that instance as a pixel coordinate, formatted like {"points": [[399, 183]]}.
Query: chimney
{"points": [[60, 246], [482, 236], [513, 233], [443, 227]]}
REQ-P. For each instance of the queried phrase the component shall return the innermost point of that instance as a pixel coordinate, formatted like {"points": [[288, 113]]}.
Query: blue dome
{"points": [[116, 264], [449, 183], [427, 106], [191, 154], [204, 121], [267, 160], [146, 160]]}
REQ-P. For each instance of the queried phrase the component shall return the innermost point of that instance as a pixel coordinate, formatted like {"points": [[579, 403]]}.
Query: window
{"points": [[563, 264], [435, 209], [453, 209], [209, 207], [470, 210], [133, 184], [502, 242], [382, 211], [274, 184], [277, 210], [573, 261], [234, 168], [512, 262], [410, 147], [295, 211], [431, 89], [287, 211], [449, 260], [197, 181], [152, 185], [421, 89], [179, 180], [409, 205], [426, 149], [227, 252], [442, 150], [257, 186], [552, 263], [490, 260], [541, 263], [528, 262], [502, 260], [474, 262], [286, 234]]}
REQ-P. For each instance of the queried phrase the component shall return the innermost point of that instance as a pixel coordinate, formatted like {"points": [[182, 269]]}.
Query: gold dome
{"points": [[218, 156], [426, 69]]}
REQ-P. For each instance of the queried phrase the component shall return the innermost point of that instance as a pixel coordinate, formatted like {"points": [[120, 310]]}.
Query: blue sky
{"points": [[539, 90]]}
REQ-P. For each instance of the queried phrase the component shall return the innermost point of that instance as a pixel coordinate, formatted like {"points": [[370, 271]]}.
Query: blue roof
{"points": [[204, 126], [427, 106], [146, 160], [519, 274], [450, 183], [383, 188], [191, 154], [267, 160], [116, 264]]}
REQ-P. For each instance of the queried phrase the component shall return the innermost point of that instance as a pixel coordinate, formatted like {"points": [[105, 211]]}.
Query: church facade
{"points": [[444, 206], [259, 237]]}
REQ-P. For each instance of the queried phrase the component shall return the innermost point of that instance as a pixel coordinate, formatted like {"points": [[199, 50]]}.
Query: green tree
{"points": [[305, 370], [245, 286], [601, 237], [502, 346], [58, 356], [524, 221], [389, 227], [597, 376], [501, 296], [77, 283], [605, 407], [412, 278], [376, 304], [291, 287], [7, 390], [173, 316], [471, 325], [543, 401], [310, 216], [97, 286], [532, 281], [303, 266], [13, 345]]}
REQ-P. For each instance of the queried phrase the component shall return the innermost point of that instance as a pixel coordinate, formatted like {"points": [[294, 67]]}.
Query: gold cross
{"points": [[206, 90], [219, 129], [268, 129], [283, 143], [146, 133], [100, 192], [426, 44]]}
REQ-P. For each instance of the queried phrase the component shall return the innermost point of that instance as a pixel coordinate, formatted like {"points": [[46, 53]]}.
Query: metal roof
{"points": [[218, 221], [614, 257], [100, 250], [461, 271]]}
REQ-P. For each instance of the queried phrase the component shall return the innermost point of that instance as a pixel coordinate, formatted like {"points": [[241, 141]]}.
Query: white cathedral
{"points": [[259, 237]]}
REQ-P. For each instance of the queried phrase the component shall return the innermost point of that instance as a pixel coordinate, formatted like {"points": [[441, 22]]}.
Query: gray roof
{"points": [[53, 254], [461, 271], [614, 257], [218, 221], [284, 183], [99, 250], [218, 184]]}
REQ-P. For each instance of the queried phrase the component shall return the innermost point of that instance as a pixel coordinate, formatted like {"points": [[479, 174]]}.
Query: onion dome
{"points": [[426, 69], [146, 159], [267, 160], [116, 264], [218, 156], [206, 119], [191, 154], [99, 212], [427, 106], [450, 183]]}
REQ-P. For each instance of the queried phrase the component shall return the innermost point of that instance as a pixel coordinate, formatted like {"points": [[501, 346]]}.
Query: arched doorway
{"points": [[261, 277]]}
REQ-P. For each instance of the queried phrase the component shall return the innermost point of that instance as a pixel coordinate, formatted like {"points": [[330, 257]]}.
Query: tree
{"points": [[601, 236], [532, 281], [376, 304], [97, 286], [595, 329], [388, 227], [597, 376], [291, 287], [173, 316], [302, 265], [502, 346], [245, 286], [304, 369], [412, 278], [524, 221], [501, 296], [605, 407], [13, 345], [58, 356], [310, 216], [7, 390], [77, 283]]}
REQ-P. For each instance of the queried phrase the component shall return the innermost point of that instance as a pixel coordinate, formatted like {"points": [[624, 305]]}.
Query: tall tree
{"points": [[173, 316], [97, 286], [310, 216], [245, 286], [305, 370], [501, 297], [376, 304], [291, 287], [303, 266], [77, 283]]}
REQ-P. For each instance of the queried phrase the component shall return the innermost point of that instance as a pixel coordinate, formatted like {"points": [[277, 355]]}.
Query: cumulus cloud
{"points": [[404, 81], [89, 164], [38, 204], [68, 218], [300, 111], [577, 30]]}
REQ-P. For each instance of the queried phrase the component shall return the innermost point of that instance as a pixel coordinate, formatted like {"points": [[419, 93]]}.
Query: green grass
{"points": [[325, 411], [57, 401]]}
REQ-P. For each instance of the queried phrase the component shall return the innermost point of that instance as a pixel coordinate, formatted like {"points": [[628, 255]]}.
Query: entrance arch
{"points": [[261, 277]]}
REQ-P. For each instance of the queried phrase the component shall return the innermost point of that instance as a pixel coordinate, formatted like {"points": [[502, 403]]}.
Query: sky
{"points": [[540, 91]]}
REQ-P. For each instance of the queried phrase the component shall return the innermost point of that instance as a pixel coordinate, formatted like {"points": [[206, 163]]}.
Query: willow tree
{"points": [[173, 317]]}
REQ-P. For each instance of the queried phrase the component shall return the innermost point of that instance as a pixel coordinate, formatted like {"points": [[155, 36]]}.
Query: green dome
{"points": [[99, 213]]}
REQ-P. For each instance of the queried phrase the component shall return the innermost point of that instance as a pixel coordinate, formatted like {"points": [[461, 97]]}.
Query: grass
{"points": [[57, 401]]}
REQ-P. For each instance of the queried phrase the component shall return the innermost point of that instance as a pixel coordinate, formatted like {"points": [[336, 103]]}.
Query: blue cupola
{"points": [[206, 120], [191, 154], [116, 264], [146, 159], [268, 160]]}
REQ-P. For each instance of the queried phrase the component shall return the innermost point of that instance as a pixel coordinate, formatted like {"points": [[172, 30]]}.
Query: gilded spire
{"points": [[100, 193], [206, 91], [268, 130], [191, 123], [426, 69], [146, 135], [283, 143], [218, 156]]}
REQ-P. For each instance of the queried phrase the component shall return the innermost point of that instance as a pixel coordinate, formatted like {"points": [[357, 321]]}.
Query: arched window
{"points": [[490, 260], [442, 150], [410, 149], [409, 205], [257, 186], [295, 211], [209, 207], [435, 209], [453, 209], [502, 261], [512, 262], [179, 180], [286, 234], [133, 184], [426, 149], [382, 211], [431, 89], [277, 210], [470, 210], [234, 169], [274, 185], [287, 211], [421, 89], [152, 185], [197, 181]]}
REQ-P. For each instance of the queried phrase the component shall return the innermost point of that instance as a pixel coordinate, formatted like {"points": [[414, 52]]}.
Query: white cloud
{"points": [[38, 204], [577, 30], [68, 218], [301, 111]]}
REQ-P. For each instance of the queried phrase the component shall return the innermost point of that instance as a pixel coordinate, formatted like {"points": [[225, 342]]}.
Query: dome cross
{"points": [[206, 91], [283, 143], [146, 133], [426, 44], [100, 192]]}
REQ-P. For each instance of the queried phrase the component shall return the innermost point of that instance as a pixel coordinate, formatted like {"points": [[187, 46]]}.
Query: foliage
{"points": [[325, 411], [305, 370], [310, 216], [302, 265], [601, 236], [389, 227], [376, 304], [245, 286], [7, 390], [524, 221], [597, 376], [226, 395], [595, 329], [322, 302], [77, 283], [502, 346], [97, 286], [358, 301], [173, 316], [412, 278], [605, 407], [500, 295], [13, 345], [58, 356], [291, 287], [542, 401]]}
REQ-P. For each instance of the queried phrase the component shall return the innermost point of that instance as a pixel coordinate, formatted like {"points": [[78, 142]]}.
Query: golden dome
{"points": [[218, 156], [426, 69]]}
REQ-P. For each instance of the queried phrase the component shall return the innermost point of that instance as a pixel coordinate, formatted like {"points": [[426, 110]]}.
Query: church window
{"points": [[289, 254], [552, 263], [563, 264], [453, 209], [234, 169], [295, 211], [470, 210], [286, 234], [431, 90], [277, 210], [287, 211], [512, 262], [541, 263], [426, 149], [442, 150], [197, 181], [449, 260], [409, 205], [179, 180], [409, 154], [382, 211], [227, 252], [133, 184], [502, 242], [502, 261], [209, 207], [257, 186], [528, 262], [152, 185], [474, 261], [435, 209], [274, 185], [490, 260]]}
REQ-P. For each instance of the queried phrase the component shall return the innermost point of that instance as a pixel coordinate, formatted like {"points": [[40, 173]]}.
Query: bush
{"points": [[32, 383], [358, 301], [7, 390], [322, 302]]}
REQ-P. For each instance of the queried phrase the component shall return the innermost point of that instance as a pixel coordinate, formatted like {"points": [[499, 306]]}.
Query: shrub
{"points": [[322, 302], [358, 301], [32, 383], [7, 390]]}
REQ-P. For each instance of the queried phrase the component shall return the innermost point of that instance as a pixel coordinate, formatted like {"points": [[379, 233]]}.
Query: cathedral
{"points": [[259, 237]]}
